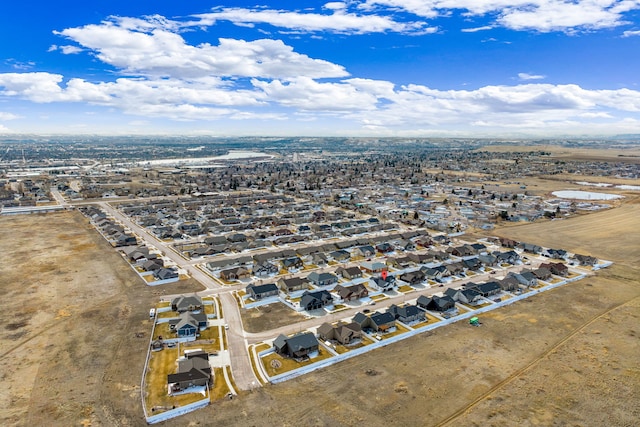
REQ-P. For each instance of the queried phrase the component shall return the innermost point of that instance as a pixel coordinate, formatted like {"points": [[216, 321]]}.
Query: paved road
{"points": [[240, 363], [236, 343], [379, 306]]}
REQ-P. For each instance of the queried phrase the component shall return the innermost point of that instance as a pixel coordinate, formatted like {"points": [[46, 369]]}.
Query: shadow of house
{"points": [[297, 346]]}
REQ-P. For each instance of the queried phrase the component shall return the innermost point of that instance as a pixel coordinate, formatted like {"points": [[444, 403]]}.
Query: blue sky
{"points": [[412, 68]]}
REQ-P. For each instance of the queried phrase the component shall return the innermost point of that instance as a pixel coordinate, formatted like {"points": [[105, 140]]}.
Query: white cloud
{"points": [[164, 53], [476, 29], [338, 21], [4, 129], [67, 49], [527, 76], [631, 33], [4, 116], [538, 15]]}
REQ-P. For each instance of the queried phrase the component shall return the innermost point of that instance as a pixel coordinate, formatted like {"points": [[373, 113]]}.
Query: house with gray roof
{"points": [[193, 371], [186, 303], [298, 346]]}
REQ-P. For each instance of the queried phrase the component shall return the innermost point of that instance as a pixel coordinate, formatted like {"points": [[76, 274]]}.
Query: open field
{"points": [[269, 317], [564, 357], [75, 338]]}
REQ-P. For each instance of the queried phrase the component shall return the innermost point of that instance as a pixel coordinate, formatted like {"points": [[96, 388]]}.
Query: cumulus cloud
{"points": [[538, 15], [159, 52], [67, 49], [527, 76], [338, 20]]}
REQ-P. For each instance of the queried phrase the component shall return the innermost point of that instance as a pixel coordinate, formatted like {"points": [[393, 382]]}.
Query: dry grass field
{"points": [[76, 329], [75, 325]]}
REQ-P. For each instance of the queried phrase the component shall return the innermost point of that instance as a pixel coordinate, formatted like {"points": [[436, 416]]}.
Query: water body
{"points": [[585, 195]]}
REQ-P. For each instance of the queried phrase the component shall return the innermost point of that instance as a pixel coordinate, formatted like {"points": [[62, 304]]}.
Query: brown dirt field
{"points": [[72, 309], [267, 317], [629, 154]]}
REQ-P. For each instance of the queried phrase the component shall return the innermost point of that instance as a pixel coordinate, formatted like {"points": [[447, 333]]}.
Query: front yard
{"points": [[275, 364]]}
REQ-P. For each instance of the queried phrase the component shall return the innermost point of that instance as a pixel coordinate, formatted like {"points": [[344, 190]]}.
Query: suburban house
{"points": [[420, 258], [378, 322], [319, 259], [265, 268], [508, 243], [186, 303], [405, 245], [340, 255], [293, 284], [384, 284], [525, 278], [542, 273], [472, 263], [322, 279], [555, 253], [401, 262], [292, 263], [349, 273], [188, 324], [462, 251], [315, 300], [365, 251], [193, 371], [258, 292], [489, 260], [165, 274], [436, 303], [432, 273], [384, 247], [153, 264], [509, 283], [585, 259], [455, 268], [353, 292], [487, 289], [531, 248], [344, 333], [297, 346], [509, 257], [468, 296], [413, 277], [235, 273], [557, 268], [373, 266], [407, 313]]}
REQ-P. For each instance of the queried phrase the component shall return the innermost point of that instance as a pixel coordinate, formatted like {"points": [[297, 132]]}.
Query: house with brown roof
{"points": [[344, 333], [350, 293]]}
